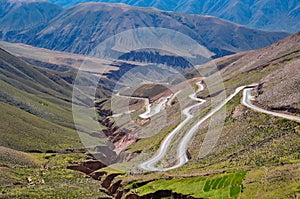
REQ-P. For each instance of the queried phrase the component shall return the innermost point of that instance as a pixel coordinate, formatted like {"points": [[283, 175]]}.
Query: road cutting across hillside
{"points": [[247, 98], [182, 156], [151, 109], [148, 165]]}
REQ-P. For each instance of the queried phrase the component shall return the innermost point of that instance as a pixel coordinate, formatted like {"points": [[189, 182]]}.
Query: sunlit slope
{"points": [[35, 108]]}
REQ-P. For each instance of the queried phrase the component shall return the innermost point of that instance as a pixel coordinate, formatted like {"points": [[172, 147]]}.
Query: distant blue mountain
{"points": [[281, 15], [80, 28]]}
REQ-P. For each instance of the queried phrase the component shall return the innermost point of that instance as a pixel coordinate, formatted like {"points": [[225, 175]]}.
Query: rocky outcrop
{"points": [[108, 180], [93, 165], [119, 194], [114, 187], [97, 175], [119, 137], [160, 194], [287, 109], [111, 185], [87, 167], [80, 168], [155, 56]]}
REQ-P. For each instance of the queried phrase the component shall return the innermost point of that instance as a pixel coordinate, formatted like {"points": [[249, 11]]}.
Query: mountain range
{"points": [[16, 16], [72, 126], [81, 28], [36, 117], [268, 15]]}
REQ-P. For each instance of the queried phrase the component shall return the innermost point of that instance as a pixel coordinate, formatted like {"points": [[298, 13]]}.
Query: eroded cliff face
{"points": [[120, 139], [159, 194], [114, 186], [88, 167]]}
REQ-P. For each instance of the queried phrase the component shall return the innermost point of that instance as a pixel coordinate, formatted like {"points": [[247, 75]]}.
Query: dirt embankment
{"points": [[113, 185], [113, 133]]}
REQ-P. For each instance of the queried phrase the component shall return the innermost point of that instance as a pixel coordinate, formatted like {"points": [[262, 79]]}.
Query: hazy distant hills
{"points": [[17, 16], [79, 29], [262, 14]]}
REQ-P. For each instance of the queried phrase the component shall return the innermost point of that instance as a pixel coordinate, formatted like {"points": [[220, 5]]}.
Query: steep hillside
{"points": [[280, 90], [57, 60], [38, 140], [255, 156], [31, 16], [258, 14], [256, 153], [31, 81], [35, 107], [273, 67], [71, 32]]}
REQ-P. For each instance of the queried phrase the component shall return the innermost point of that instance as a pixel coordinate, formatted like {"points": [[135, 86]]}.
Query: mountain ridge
{"points": [[71, 32], [251, 143], [258, 14]]}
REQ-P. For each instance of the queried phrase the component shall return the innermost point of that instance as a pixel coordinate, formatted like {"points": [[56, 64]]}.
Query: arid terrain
{"points": [[147, 122]]}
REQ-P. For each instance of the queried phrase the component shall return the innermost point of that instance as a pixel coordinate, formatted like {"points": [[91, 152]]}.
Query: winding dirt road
{"points": [[247, 102], [149, 164], [151, 109]]}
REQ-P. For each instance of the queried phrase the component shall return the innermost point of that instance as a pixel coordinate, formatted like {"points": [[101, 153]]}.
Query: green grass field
{"points": [[212, 186], [46, 178], [24, 131]]}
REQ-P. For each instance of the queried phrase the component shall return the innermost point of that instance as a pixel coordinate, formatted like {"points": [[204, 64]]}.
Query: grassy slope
{"points": [[24, 131], [253, 142], [262, 146], [253, 66], [11, 158], [36, 115], [35, 108], [47, 178], [23, 82]]}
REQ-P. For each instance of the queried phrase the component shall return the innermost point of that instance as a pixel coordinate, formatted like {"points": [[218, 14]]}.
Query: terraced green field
{"points": [[213, 186]]}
